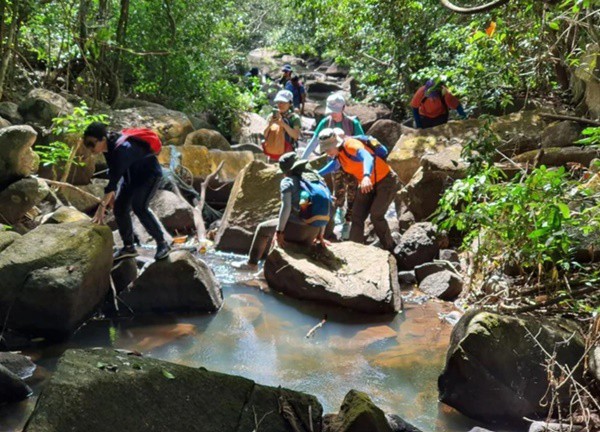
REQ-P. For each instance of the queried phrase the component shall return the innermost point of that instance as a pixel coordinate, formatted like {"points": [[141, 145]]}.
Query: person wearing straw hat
{"points": [[378, 183], [291, 226]]}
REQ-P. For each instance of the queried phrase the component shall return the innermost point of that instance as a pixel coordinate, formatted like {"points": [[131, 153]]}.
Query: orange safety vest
{"points": [[346, 158]]}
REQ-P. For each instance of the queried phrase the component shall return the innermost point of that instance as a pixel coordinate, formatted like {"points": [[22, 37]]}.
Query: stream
{"points": [[261, 335]]}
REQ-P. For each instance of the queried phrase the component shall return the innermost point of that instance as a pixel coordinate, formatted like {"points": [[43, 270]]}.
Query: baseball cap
{"points": [[284, 96]]}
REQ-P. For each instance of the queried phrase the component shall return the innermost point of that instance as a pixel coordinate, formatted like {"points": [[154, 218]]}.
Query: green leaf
{"points": [[564, 209], [553, 25], [168, 374]]}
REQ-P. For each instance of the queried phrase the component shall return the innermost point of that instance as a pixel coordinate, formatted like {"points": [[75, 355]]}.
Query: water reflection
{"points": [[395, 359]]}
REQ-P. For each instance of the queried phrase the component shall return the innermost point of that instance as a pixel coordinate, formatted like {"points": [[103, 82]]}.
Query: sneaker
{"points": [[346, 231], [162, 251], [125, 252], [244, 265]]}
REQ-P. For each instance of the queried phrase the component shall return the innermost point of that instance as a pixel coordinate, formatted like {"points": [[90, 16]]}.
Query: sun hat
{"points": [[335, 103]]}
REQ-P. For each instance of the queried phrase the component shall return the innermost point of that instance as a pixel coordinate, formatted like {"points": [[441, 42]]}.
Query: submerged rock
{"points": [[12, 388], [495, 370], [254, 199], [351, 275], [54, 277], [103, 390], [177, 283], [17, 158]]}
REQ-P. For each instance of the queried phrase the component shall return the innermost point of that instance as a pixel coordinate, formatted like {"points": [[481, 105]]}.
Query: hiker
{"points": [[363, 158], [299, 92], [132, 162], [304, 213], [286, 75], [344, 185], [431, 104], [283, 130]]}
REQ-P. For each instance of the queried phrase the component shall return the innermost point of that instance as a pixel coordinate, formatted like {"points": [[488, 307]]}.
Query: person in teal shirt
{"points": [[334, 118], [345, 185]]}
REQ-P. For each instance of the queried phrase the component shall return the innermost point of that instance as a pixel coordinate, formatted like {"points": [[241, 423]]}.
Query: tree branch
{"points": [[473, 10]]}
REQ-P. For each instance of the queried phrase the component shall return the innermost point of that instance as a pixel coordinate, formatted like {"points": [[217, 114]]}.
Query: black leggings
{"points": [[137, 198]]}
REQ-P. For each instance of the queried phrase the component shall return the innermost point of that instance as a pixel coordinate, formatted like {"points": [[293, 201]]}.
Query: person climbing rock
{"points": [[283, 129], [297, 88], [431, 104], [286, 75], [344, 185], [133, 170], [305, 210], [378, 183]]}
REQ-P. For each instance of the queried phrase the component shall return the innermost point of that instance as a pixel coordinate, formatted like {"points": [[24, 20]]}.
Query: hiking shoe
{"points": [[346, 231], [244, 265], [125, 252], [162, 251]]}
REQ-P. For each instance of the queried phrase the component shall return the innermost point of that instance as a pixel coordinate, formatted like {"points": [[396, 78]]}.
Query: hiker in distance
{"points": [[304, 213], [344, 184], [283, 131], [134, 170], [431, 104], [364, 158]]}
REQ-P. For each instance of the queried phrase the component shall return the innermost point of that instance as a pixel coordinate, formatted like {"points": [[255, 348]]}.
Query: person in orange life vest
{"points": [[431, 104], [285, 118], [132, 165], [378, 183]]}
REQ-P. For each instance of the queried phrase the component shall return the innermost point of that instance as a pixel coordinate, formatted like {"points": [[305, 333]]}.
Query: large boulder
{"points": [[586, 87], [172, 126], [561, 134], [337, 71], [496, 367], [368, 114], [127, 103], [317, 88], [20, 197], [177, 283], [358, 413], [250, 129], [445, 285], [65, 214], [10, 111], [42, 106], [54, 277], [387, 131], [208, 138], [12, 388], [202, 161], [7, 238], [135, 394], [418, 245], [83, 168], [254, 199], [4, 123], [176, 214], [351, 275], [17, 159]]}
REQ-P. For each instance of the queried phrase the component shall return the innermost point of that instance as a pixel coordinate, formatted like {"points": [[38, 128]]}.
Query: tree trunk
{"points": [[7, 48], [114, 88]]}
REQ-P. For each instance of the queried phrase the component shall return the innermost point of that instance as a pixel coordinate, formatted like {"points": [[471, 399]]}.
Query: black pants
{"points": [[137, 198], [427, 122]]}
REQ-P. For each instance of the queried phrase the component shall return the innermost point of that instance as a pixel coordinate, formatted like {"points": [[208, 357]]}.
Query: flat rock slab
{"points": [[106, 390], [362, 278]]}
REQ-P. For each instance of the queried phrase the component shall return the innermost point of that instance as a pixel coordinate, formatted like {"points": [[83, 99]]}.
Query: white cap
{"points": [[335, 103], [284, 96]]}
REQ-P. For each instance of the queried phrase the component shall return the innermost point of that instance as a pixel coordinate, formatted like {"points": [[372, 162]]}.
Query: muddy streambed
{"points": [[262, 335]]}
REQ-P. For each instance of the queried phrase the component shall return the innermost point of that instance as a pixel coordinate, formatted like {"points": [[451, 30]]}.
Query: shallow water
{"points": [[262, 336]]}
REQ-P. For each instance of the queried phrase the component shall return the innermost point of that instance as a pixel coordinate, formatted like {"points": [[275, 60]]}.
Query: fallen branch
{"points": [[318, 326], [75, 188], [571, 118], [555, 300]]}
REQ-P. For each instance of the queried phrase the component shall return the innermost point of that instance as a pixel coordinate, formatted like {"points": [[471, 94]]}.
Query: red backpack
{"points": [[147, 136]]}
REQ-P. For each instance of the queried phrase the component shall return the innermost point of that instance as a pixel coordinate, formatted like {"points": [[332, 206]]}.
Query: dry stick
{"points": [[75, 188], [318, 326], [203, 187], [555, 300], [572, 118]]}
